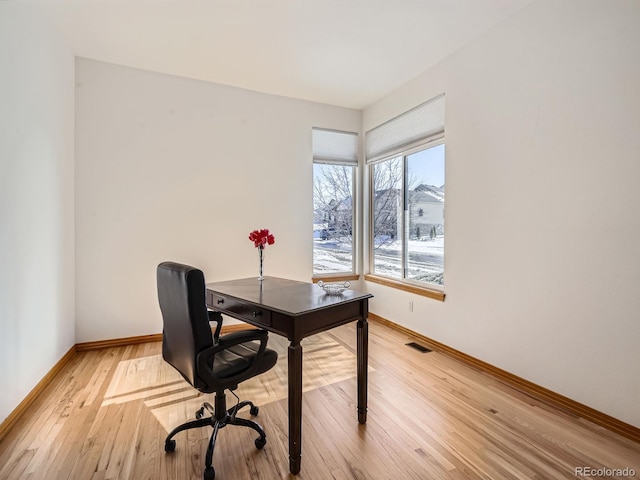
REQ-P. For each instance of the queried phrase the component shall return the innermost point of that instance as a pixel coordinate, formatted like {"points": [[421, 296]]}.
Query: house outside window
{"points": [[335, 158], [406, 161]]}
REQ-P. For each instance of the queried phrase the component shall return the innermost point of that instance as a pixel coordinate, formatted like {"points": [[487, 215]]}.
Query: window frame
{"points": [[353, 163], [431, 290]]}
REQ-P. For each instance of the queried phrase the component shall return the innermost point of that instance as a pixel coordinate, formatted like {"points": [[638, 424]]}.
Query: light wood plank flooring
{"points": [[106, 414]]}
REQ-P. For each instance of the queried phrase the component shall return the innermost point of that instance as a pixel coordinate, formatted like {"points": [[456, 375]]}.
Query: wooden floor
{"points": [[106, 415]]}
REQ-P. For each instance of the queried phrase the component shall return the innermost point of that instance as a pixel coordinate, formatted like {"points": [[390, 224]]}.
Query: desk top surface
{"points": [[290, 297]]}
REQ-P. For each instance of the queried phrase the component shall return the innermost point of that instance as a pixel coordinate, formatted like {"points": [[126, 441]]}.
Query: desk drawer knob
{"points": [[220, 301], [257, 314]]}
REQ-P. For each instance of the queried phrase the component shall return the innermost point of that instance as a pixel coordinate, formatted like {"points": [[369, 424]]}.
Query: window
{"points": [[335, 158], [406, 159]]}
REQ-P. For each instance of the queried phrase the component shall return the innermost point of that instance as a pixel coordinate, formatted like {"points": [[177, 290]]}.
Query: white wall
{"points": [[176, 169], [36, 202], [542, 226]]}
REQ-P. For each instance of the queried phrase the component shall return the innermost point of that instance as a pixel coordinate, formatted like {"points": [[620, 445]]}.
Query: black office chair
{"points": [[210, 363]]}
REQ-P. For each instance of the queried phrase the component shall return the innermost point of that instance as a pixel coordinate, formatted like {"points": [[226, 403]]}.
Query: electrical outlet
{"points": [[411, 305]]}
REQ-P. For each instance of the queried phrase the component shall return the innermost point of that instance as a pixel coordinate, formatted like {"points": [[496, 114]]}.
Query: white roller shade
{"points": [[415, 127], [334, 147]]}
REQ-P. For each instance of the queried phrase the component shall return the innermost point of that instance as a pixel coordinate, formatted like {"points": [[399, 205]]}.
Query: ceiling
{"points": [[340, 52]]}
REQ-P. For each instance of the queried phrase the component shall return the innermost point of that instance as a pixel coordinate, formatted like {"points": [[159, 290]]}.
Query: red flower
{"points": [[262, 238]]}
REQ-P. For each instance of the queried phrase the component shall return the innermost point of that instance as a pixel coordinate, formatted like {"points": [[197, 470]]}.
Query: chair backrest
{"points": [[186, 330]]}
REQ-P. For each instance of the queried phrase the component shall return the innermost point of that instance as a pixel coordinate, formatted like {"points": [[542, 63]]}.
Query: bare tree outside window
{"points": [[333, 218], [387, 179], [408, 216]]}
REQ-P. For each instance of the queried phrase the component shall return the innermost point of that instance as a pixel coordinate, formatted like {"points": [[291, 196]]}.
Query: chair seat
{"points": [[237, 358]]}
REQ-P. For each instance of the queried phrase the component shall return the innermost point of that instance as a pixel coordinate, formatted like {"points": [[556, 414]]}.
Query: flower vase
{"points": [[261, 257]]}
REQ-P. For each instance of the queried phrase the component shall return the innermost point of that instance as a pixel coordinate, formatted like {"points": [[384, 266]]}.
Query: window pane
{"points": [[387, 217], [332, 218], [425, 215]]}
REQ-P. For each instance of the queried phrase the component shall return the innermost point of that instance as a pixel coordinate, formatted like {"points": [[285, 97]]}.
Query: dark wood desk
{"points": [[296, 310]]}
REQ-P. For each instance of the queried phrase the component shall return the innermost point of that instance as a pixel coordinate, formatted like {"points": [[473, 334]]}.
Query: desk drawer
{"points": [[241, 310]]}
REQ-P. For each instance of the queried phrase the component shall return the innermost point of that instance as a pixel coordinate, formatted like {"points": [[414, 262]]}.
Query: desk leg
{"points": [[363, 361], [295, 406]]}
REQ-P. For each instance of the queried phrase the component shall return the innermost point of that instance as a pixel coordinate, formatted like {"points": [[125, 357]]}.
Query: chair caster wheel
{"points": [[200, 413], [260, 443], [209, 473], [254, 410], [169, 446]]}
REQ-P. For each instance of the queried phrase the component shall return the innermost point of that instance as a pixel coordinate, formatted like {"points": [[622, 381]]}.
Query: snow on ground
{"points": [[426, 259]]}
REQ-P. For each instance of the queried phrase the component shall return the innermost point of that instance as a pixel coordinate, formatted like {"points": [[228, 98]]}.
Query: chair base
{"points": [[220, 418]]}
